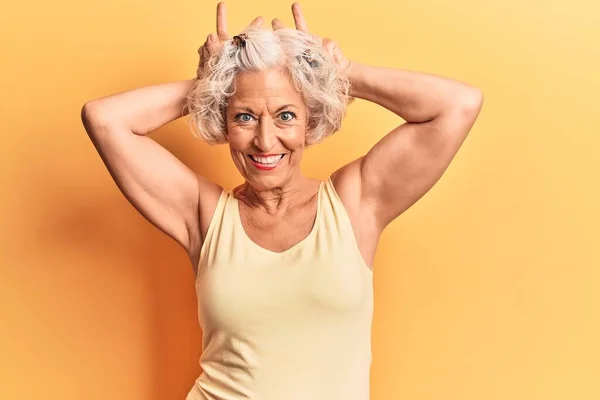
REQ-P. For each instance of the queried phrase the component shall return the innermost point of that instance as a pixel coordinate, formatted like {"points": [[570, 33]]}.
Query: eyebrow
{"points": [[276, 111]]}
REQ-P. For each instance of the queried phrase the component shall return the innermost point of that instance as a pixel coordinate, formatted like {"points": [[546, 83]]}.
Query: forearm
{"points": [[144, 109], [414, 96]]}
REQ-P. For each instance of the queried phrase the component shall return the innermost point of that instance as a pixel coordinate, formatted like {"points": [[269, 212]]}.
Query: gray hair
{"points": [[324, 90]]}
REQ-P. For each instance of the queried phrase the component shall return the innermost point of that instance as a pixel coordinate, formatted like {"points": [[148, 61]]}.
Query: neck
{"points": [[274, 199]]}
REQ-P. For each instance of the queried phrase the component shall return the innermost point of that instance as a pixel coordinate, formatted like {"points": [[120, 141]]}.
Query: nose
{"points": [[266, 137]]}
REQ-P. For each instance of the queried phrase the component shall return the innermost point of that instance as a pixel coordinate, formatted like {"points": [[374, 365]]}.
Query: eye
{"points": [[244, 117], [289, 116]]}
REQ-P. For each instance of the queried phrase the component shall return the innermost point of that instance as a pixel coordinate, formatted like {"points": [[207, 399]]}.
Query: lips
{"points": [[273, 159], [265, 167]]}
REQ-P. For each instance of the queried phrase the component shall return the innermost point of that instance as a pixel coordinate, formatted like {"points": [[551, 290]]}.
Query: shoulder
{"points": [[347, 184], [208, 196], [209, 193]]}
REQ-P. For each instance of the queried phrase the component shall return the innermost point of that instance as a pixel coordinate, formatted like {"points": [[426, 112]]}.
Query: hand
{"points": [[214, 41], [330, 47]]}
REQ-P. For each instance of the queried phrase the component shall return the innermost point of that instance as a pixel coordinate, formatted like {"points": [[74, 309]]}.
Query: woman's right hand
{"points": [[330, 47], [214, 41]]}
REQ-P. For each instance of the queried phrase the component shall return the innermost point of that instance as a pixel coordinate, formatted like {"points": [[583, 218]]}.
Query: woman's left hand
{"points": [[330, 47]]}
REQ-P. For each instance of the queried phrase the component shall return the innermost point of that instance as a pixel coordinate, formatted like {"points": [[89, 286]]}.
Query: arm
{"points": [[166, 192], [406, 163], [154, 181], [409, 160], [145, 109]]}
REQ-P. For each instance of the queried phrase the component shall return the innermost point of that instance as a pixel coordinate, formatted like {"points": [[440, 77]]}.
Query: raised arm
{"points": [[401, 167], [165, 191], [156, 183]]}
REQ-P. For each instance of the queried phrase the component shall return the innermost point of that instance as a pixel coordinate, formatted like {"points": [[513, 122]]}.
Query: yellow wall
{"points": [[487, 288]]}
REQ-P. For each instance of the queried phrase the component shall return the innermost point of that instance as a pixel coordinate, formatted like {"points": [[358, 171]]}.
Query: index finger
{"points": [[299, 18], [277, 24], [221, 21], [257, 22]]}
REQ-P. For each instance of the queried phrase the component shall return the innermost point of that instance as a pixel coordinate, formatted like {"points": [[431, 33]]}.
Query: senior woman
{"points": [[282, 262]]}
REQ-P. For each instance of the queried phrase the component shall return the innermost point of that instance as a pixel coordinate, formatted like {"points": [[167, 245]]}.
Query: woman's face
{"points": [[266, 117]]}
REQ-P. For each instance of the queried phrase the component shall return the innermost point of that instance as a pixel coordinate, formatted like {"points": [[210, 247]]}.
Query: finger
{"points": [[299, 18], [328, 44], [212, 42], [204, 55], [221, 21], [318, 40], [257, 22], [211, 38], [277, 24]]}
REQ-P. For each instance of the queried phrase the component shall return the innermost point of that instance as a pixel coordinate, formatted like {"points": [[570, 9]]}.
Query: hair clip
{"points": [[308, 58], [240, 40]]}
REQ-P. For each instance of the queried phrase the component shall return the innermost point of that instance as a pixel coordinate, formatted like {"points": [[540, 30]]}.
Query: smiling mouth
{"points": [[268, 161]]}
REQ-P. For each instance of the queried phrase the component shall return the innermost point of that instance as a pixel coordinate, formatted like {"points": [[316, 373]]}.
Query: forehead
{"points": [[270, 87]]}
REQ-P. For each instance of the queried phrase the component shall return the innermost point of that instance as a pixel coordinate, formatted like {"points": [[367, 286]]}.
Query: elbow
{"points": [[88, 116], [88, 111], [93, 118], [93, 111], [465, 108], [464, 103], [472, 101]]}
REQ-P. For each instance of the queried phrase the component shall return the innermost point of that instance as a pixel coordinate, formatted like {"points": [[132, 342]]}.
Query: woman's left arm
{"points": [[401, 167], [408, 161]]}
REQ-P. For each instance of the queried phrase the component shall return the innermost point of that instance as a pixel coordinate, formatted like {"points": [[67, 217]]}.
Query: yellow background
{"points": [[487, 288]]}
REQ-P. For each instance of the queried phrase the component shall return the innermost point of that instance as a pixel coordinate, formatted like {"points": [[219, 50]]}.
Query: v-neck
{"points": [[310, 235]]}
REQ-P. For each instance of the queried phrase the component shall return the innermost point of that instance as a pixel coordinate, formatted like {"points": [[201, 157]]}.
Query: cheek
{"points": [[298, 140], [238, 138], [296, 132]]}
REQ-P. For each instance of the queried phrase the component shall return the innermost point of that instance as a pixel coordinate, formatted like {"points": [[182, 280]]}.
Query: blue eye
{"points": [[291, 115], [244, 117]]}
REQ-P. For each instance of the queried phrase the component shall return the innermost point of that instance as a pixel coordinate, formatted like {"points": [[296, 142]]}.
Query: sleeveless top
{"points": [[294, 325]]}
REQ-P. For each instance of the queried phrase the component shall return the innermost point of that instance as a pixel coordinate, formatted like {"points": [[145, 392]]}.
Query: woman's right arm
{"points": [[163, 189]]}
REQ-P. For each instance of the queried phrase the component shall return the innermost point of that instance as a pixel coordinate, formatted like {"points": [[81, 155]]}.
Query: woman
{"points": [[283, 261]]}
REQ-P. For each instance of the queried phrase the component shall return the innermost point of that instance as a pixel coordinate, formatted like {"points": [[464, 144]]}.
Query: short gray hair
{"points": [[324, 90]]}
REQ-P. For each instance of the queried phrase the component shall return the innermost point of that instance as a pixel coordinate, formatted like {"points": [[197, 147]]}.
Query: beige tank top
{"points": [[294, 325]]}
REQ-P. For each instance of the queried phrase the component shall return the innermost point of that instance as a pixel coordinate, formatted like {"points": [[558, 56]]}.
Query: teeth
{"points": [[267, 160]]}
